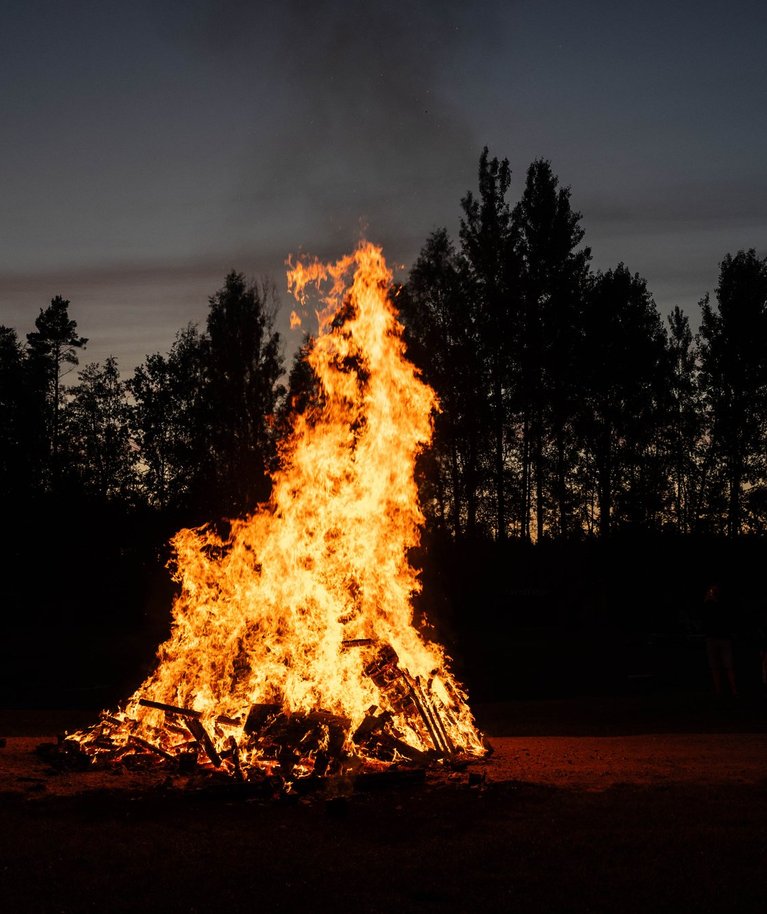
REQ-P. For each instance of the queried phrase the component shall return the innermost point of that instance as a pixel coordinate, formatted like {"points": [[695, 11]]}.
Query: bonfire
{"points": [[293, 653]]}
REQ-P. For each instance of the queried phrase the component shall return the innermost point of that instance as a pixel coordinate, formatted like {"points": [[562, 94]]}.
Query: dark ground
{"points": [[646, 803], [618, 785]]}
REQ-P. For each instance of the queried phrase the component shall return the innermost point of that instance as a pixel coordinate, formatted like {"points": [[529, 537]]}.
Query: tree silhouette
{"points": [[683, 426], [52, 354], [443, 332], [14, 416], [488, 246], [621, 365], [244, 364], [553, 279], [99, 433], [171, 425], [734, 382]]}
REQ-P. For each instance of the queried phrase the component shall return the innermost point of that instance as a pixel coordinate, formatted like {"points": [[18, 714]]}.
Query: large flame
{"points": [[285, 609]]}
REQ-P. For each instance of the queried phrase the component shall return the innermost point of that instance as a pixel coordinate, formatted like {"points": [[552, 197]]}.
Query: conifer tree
{"points": [[733, 349], [490, 253], [99, 433], [442, 330], [52, 355], [554, 271], [243, 365], [621, 367]]}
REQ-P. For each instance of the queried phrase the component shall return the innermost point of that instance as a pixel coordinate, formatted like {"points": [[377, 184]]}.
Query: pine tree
{"points": [[683, 432], [244, 364], [489, 250], [52, 354], [98, 423], [621, 365], [14, 432], [171, 422], [733, 350], [442, 331], [554, 273]]}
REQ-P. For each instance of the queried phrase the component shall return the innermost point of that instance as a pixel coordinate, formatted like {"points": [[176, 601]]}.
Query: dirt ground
{"points": [[577, 810]]}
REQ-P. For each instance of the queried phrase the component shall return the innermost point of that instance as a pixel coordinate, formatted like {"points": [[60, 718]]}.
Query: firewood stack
{"points": [[288, 750]]}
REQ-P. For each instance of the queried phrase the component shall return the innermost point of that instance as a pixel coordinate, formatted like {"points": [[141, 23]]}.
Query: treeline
{"points": [[569, 407], [190, 435]]}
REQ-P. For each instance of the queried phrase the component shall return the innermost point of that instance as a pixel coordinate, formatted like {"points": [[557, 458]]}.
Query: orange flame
{"points": [[266, 615]]}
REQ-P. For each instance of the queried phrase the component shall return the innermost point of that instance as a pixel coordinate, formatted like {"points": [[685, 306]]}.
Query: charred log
{"points": [[170, 709], [150, 747], [206, 743], [259, 715]]}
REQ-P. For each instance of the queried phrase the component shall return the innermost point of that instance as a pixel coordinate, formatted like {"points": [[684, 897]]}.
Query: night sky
{"points": [[149, 147]]}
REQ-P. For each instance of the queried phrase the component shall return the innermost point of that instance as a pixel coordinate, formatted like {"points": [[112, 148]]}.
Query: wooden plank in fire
{"points": [[201, 735], [259, 715], [371, 724], [145, 744], [172, 727], [229, 721], [423, 710], [115, 721], [402, 691], [104, 742], [170, 709], [387, 741], [439, 724]]}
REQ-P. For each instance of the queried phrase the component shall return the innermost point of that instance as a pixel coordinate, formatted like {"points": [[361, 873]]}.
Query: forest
{"points": [[574, 420]]}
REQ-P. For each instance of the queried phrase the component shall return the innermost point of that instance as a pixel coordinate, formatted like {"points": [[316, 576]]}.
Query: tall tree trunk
{"points": [[561, 487], [605, 483], [54, 444], [525, 513], [455, 482], [538, 439], [734, 519], [471, 489], [499, 463]]}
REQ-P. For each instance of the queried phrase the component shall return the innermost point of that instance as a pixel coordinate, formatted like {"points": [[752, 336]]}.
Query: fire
{"points": [[303, 612]]}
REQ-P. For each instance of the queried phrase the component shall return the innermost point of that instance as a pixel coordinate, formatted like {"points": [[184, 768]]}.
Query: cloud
{"points": [[696, 205]]}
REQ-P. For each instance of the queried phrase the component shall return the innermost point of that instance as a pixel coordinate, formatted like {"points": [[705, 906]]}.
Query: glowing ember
{"points": [[293, 649]]}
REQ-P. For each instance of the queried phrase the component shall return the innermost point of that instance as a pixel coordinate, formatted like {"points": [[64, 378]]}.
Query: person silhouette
{"points": [[718, 629]]}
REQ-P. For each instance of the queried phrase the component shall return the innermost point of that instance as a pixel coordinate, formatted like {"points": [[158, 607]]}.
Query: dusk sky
{"points": [[149, 147]]}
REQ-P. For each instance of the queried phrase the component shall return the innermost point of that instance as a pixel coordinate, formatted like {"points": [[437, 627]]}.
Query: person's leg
{"points": [[714, 664], [729, 665]]}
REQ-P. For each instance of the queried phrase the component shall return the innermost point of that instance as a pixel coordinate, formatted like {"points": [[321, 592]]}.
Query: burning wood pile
{"points": [[293, 655], [280, 749]]}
